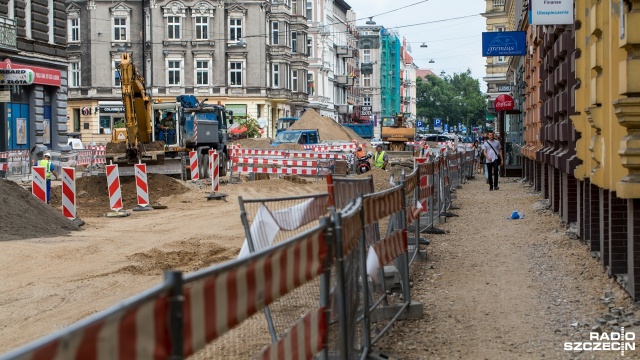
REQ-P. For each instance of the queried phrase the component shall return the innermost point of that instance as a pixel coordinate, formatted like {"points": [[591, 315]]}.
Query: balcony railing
{"points": [[498, 3], [8, 32]]}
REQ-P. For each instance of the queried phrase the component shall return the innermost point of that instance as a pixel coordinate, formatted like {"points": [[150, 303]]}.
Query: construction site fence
{"points": [[323, 275], [86, 162]]}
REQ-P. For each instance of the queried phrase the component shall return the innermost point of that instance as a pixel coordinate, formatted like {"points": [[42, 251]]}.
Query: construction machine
{"points": [[197, 127], [396, 132]]}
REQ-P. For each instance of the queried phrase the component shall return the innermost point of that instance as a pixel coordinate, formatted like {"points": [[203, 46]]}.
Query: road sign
{"points": [[419, 124], [437, 122]]}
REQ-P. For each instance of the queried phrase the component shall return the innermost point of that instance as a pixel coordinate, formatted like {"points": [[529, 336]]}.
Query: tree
{"points": [[250, 126], [456, 97]]}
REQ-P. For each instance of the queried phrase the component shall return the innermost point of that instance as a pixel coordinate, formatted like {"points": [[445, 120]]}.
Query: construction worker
{"points": [[360, 153], [49, 169], [380, 158], [168, 129]]}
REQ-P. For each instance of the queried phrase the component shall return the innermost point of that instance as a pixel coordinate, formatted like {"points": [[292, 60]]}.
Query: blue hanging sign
{"points": [[504, 43]]}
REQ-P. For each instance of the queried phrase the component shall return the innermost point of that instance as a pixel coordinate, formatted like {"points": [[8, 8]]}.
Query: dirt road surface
{"points": [[50, 283], [492, 288]]}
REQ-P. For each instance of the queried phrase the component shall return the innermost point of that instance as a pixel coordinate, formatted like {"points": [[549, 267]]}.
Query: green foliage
{"points": [[251, 125], [120, 123], [457, 97]]}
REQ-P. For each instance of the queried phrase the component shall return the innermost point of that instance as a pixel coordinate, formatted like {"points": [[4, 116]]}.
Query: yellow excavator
{"points": [[134, 143], [396, 132], [198, 127]]}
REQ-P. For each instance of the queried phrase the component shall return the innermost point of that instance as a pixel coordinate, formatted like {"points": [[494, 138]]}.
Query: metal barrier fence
{"points": [[319, 264]]}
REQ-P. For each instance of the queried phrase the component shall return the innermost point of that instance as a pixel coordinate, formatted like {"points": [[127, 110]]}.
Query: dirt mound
{"points": [[116, 148], [22, 216], [93, 197], [154, 146], [189, 256], [380, 179], [328, 129]]}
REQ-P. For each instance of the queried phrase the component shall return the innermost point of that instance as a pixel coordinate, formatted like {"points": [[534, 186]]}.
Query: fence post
{"points": [[366, 321], [176, 300], [252, 249], [340, 280], [403, 260]]}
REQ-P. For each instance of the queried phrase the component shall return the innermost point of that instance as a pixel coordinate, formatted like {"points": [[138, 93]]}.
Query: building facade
{"points": [[250, 56], [408, 75], [32, 41], [497, 19], [369, 80]]}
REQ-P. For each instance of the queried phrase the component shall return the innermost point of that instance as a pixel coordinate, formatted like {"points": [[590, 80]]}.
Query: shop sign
{"points": [[504, 88], [5, 96], [504, 103], [366, 110], [86, 111], [504, 43], [112, 109], [41, 75], [551, 12], [16, 77]]}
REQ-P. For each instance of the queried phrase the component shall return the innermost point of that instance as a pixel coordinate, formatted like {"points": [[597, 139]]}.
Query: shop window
{"points": [[104, 125]]}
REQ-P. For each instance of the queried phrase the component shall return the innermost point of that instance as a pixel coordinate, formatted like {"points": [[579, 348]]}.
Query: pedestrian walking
{"points": [[494, 159]]}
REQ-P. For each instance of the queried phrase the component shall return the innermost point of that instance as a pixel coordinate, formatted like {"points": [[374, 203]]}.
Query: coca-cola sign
{"points": [[504, 102]]}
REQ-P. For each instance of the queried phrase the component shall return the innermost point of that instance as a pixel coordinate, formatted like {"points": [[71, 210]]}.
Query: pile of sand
{"points": [[328, 129], [92, 196], [121, 147], [22, 216], [265, 143]]}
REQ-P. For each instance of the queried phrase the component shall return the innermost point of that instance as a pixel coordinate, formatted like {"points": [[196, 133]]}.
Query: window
{"points": [[294, 7], [366, 56], [310, 85], [276, 75], [309, 10], [294, 80], [202, 72], [27, 19], [294, 42], [366, 79], [174, 68], [235, 73], [202, 27], [173, 28], [275, 33], [119, 29], [235, 29], [116, 73], [74, 30], [74, 72], [310, 47], [366, 101]]}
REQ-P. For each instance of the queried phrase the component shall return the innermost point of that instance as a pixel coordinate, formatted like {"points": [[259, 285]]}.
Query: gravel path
{"points": [[494, 288]]}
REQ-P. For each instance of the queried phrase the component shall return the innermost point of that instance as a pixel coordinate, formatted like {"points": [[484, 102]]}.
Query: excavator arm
{"points": [[133, 143]]}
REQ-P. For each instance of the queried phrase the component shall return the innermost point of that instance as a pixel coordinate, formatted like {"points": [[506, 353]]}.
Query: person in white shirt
{"points": [[494, 157]]}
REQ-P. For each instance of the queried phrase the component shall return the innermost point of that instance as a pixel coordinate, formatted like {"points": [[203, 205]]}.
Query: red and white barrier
{"points": [[282, 162], [69, 192], [263, 170], [99, 153], [313, 155], [113, 184], [193, 165], [4, 167], [303, 341], [136, 333], [214, 170], [39, 183], [239, 152], [215, 305], [142, 184]]}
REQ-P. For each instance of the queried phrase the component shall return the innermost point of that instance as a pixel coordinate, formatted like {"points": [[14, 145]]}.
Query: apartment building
{"points": [[369, 79], [250, 56], [497, 19], [408, 74], [32, 41]]}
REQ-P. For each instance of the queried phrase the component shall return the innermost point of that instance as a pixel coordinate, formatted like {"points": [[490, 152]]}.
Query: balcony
{"points": [[344, 51], [344, 80], [279, 6], [279, 94], [298, 97], [406, 99], [8, 33]]}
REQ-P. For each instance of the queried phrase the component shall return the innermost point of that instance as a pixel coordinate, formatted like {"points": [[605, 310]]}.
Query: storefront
{"points": [[32, 107]]}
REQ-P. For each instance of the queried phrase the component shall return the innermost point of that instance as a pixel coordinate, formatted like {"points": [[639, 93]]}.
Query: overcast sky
{"points": [[454, 45]]}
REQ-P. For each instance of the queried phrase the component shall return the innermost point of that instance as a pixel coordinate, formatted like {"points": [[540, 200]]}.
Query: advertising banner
{"points": [[551, 12], [504, 43]]}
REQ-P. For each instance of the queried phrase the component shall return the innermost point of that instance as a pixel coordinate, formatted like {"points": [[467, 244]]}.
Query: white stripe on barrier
{"points": [[142, 184], [193, 165], [69, 192], [113, 184], [260, 152], [39, 183], [215, 174], [282, 162], [259, 170]]}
